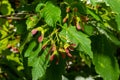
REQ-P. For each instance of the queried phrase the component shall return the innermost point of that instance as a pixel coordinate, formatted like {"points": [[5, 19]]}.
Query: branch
{"points": [[15, 16]]}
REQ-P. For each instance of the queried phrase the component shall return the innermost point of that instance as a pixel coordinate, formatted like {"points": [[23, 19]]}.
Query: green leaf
{"points": [[110, 36], [93, 2], [21, 27], [3, 40], [38, 7], [55, 71], [78, 38], [105, 63], [51, 14], [94, 15], [37, 59], [64, 78], [69, 1], [86, 59], [11, 70], [29, 49], [118, 21], [2, 21], [79, 5], [115, 5], [5, 7], [3, 44], [32, 21], [88, 29]]}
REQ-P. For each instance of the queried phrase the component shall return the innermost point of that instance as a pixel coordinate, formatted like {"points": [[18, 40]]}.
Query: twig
{"points": [[15, 16], [7, 17]]}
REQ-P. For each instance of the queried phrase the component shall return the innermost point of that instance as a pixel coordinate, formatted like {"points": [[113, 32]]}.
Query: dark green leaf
{"points": [[105, 63], [21, 27], [110, 36], [88, 29], [37, 59], [5, 7], [30, 48], [55, 71]]}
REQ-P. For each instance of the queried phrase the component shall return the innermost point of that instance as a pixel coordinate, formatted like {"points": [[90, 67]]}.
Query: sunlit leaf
{"points": [[51, 14], [118, 21], [3, 44], [5, 7], [93, 2], [32, 21], [38, 7], [78, 38], [115, 5], [93, 14]]}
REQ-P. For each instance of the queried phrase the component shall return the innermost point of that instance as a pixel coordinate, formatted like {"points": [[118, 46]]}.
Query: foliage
{"points": [[59, 39]]}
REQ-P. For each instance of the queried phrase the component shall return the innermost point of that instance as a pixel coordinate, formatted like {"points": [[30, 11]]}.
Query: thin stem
{"points": [[15, 16], [6, 36]]}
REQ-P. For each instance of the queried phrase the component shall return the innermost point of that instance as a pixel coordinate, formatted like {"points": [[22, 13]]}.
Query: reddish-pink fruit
{"points": [[82, 28], [78, 26], [75, 9], [9, 46], [40, 38], [68, 53], [14, 50], [84, 18], [71, 48], [73, 45], [53, 48], [50, 50], [52, 57], [57, 62], [63, 55], [66, 50], [34, 31], [44, 46], [64, 20], [68, 9]]}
